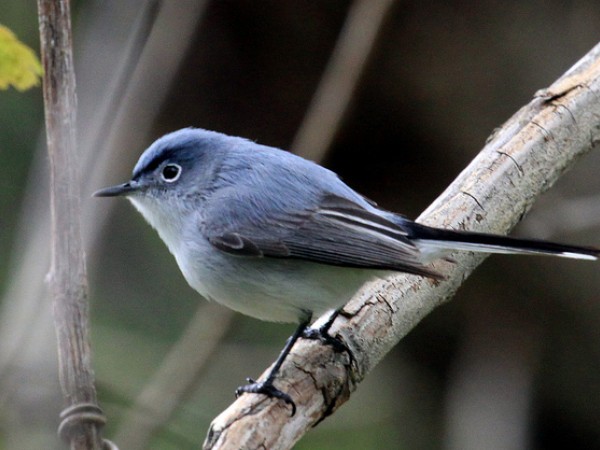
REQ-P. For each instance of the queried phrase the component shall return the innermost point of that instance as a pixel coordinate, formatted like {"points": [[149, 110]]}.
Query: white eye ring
{"points": [[171, 172]]}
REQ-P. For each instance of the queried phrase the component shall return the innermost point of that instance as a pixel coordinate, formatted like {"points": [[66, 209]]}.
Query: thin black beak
{"points": [[118, 190]]}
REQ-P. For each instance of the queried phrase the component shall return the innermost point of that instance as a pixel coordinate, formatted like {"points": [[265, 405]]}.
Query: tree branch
{"points": [[520, 161], [82, 419]]}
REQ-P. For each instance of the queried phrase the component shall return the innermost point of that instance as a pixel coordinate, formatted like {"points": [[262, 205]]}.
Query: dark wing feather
{"points": [[338, 231]]}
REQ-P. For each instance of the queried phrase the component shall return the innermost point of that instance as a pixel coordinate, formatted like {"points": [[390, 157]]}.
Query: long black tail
{"points": [[436, 239]]}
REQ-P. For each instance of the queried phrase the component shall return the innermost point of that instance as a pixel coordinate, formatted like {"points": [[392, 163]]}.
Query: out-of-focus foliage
{"points": [[19, 65]]}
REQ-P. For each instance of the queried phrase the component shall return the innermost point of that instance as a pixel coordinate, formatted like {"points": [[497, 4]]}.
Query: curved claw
{"points": [[265, 388]]}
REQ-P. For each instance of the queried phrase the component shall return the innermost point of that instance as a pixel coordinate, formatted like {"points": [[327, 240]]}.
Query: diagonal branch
{"points": [[520, 161]]}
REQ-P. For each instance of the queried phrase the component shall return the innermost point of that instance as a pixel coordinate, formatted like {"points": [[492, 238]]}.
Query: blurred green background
{"points": [[513, 362]]}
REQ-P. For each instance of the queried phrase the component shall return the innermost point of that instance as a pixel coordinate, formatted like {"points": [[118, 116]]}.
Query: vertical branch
{"points": [[82, 418]]}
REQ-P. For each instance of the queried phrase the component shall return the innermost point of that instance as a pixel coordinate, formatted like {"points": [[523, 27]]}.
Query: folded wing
{"points": [[336, 231]]}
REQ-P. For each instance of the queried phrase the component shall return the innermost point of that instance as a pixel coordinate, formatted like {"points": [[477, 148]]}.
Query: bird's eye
{"points": [[171, 172]]}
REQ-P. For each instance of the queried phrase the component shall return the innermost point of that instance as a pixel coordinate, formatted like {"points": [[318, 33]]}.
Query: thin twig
{"points": [[175, 378], [160, 396], [123, 115], [82, 419], [520, 161], [340, 79]]}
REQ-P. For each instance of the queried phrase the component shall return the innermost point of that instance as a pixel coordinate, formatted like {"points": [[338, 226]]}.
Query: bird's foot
{"points": [[266, 388], [322, 334]]}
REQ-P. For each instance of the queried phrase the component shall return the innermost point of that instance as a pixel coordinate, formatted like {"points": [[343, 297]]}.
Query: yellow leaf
{"points": [[19, 66]]}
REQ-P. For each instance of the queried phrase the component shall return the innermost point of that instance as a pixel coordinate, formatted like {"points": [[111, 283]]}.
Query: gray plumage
{"points": [[278, 237]]}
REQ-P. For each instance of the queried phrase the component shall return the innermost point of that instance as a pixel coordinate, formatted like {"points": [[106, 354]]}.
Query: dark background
{"points": [[512, 362]]}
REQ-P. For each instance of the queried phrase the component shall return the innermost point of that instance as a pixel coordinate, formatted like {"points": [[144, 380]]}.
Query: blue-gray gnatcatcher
{"points": [[280, 238]]}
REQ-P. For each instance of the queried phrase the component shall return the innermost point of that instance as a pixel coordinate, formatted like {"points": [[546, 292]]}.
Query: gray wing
{"points": [[335, 231]]}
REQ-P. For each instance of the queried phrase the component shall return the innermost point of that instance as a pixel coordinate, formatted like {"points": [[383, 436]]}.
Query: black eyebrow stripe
{"points": [[155, 162]]}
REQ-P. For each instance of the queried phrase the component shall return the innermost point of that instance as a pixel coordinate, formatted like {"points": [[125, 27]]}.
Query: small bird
{"points": [[280, 238]]}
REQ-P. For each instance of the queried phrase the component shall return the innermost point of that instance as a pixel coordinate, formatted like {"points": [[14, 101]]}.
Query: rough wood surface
{"points": [[82, 419], [520, 161]]}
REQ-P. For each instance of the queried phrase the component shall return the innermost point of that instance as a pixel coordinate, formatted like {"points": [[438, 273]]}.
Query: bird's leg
{"points": [[322, 334], [266, 387]]}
